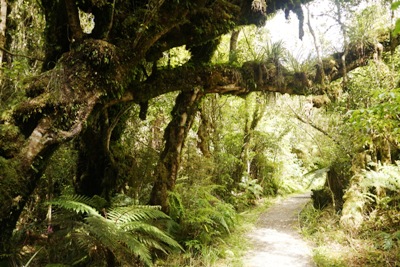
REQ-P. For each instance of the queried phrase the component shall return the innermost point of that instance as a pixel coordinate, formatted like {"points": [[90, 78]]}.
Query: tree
{"points": [[3, 20], [87, 79]]}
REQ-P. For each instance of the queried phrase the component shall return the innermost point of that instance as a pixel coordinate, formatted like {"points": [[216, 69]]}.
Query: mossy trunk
{"points": [[19, 176], [97, 172], [183, 114], [337, 181]]}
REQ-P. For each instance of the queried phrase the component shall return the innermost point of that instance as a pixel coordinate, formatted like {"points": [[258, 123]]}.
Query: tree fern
{"points": [[78, 204], [126, 232], [135, 213]]}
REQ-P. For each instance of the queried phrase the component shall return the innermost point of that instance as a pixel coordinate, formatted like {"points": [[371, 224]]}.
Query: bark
{"points": [[3, 20], [56, 32], [320, 73], [56, 113], [337, 181], [244, 161], [76, 32], [183, 114], [204, 135], [97, 171], [253, 76], [233, 46], [19, 175]]}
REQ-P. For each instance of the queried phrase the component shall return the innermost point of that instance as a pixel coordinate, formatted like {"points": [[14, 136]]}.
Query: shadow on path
{"points": [[276, 241]]}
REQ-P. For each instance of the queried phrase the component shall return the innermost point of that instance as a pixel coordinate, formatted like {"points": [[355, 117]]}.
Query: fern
{"points": [[135, 213], [177, 209], [78, 204], [126, 232], [203, 216]]}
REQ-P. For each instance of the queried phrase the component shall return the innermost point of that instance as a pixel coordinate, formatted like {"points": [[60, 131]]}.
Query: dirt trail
{"points": [[276, 241]]}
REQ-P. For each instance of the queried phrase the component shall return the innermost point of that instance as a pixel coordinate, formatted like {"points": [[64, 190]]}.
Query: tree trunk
{"points": [[18, 179], [233, 46], [248, 134], [56, 32], [3, 20], [320, 73], [97, 171], [204, 134], [183, 114], [337, 181]]}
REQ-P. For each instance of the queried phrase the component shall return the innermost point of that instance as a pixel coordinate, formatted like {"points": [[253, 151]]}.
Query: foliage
{"points": [[201, 215], [395, 6], [254, 44], [369, 222], [127, 232], [278, 154], [252, 190], [373, 196], [367, 24], [24, 37]]}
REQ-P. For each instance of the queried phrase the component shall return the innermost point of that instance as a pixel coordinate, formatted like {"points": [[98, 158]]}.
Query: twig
{"points": [[320, 130], [20, 55]]}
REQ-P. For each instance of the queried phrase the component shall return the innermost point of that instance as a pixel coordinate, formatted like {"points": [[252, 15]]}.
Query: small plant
{"points": [[366, 232], [120, 234], [252, 191], [201, 215]]}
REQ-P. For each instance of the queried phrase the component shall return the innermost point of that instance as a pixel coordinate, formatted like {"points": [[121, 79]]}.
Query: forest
{"points": [[138, 132]]}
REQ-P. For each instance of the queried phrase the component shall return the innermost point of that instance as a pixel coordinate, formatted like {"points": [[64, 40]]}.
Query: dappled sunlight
{"points": [[275, 241], [277, 248]]}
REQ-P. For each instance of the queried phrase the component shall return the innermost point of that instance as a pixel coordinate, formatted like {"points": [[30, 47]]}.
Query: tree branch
{"points": [[319, 129], [20, 55]]}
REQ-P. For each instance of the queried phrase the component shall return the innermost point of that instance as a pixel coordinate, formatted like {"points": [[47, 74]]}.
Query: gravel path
{"points": [[276, 241]]}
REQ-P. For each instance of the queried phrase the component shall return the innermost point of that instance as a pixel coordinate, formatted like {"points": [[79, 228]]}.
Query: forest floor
{"points": [[275, 240]]}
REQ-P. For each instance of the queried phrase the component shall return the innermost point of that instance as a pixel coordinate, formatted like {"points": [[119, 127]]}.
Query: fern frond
{"points": [[75, 203], [143, 229], [138, 248], [120, 243], [126, 231], [177, 210], [135, 213]]}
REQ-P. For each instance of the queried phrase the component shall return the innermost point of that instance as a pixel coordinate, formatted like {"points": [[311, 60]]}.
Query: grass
{"points": [[338, 247]]}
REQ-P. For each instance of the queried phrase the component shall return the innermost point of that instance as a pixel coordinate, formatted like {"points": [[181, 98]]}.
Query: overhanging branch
{"points": [[255, 76]]}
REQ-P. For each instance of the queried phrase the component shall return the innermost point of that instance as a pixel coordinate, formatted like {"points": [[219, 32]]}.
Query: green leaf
{"points": [[395, 5]]}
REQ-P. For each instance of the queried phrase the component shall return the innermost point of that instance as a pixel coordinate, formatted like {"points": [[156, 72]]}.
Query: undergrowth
{"points": [[224, 250], [366, 232]]}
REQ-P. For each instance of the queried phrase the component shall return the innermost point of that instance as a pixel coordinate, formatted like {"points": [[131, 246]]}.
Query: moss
{"points": [[11, 140], [8, 179], [100, 54]]}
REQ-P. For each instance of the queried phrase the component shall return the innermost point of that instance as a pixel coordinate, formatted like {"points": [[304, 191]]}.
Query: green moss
{"points": [[10, 140], [8, 179], [100, 54]]}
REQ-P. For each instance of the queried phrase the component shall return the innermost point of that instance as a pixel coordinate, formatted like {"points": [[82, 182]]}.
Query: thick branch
{"points": [[252, 76]]}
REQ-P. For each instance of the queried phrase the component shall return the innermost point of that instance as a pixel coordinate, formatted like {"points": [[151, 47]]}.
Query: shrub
{"points": [[123, 234]]}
